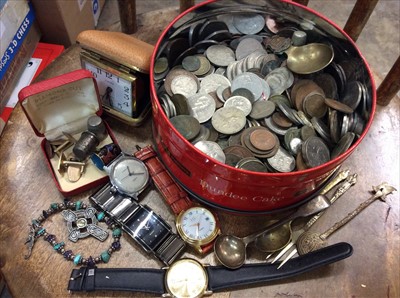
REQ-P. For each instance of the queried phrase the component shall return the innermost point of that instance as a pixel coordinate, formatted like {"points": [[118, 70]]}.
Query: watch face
{"points": [[115, 91], [197, 225], [147, 228], [186, 278], [129, 175]]}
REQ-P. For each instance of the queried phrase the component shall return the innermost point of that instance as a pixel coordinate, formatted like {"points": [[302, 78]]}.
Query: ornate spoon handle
{"points": [[350, 181], [339, 177], [381, 191]]}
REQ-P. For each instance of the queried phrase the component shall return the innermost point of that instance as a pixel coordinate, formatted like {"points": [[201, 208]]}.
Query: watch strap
{"points": [[144, 280], [221, 278], [172, 193]]}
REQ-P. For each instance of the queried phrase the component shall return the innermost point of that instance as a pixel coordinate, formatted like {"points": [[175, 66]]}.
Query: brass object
{"points": [[308, 242], [339, 178], [74, 173], [59, 149], [309, 58]]}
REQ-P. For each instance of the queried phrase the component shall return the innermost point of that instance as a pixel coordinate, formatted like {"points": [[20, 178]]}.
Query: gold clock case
{"points": [[194, 242]]}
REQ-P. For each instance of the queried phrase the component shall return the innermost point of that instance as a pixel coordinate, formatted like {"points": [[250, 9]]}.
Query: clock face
{"points": [[129, 175], [115, 91], [146, 227], [197, 224]]}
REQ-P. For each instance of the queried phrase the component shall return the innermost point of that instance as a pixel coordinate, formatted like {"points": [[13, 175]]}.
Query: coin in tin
{"points": [[314, 105], [202, 106], [315, 152], [220, 55], [321, 128], [263, 139], [273, 127], [211, 149], [210, 27], [246, 47], [248, 23], [180, 103], [282, 161], [238, 150], [344, 144], [212, 82], [281, 120], [228, 120], [186, 125], [161, 65], [248, 81], [203, 135], [262, 109], [352, 94], [184, 84], [191, 63], [307, 131], [339, 106], [204, 66], [239, 102], [252, 164], [328, 85]]}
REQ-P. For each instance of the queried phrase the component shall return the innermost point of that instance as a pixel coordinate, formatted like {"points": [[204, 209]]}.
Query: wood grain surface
{"points": [[26, 188]]}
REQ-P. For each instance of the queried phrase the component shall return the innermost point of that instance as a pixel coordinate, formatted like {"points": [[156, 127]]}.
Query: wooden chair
{"points": [[354, 26]]}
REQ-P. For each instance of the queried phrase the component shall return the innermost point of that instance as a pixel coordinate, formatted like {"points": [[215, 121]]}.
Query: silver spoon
{"points": [[231, 250]]}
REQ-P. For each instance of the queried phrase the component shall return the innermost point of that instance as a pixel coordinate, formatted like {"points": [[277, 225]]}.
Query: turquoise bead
{"points": [[100, 216], [117, 233], [105, 257], [58, 245], [41, 232], [54, 206], [77, 259], [78, 205]]}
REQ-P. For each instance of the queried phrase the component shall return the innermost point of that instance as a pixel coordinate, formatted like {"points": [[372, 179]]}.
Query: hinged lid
{"points": [[62, 103]]}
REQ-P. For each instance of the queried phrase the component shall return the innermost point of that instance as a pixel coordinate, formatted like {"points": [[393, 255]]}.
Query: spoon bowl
{"points": [[231, 250], [309, 58], [275, 239]]}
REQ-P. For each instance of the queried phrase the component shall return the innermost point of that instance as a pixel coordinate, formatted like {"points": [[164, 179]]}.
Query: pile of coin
{"points": [[225, 85]]}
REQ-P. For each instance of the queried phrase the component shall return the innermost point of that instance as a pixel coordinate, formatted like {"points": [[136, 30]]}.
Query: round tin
{"points": [[237, 190]]}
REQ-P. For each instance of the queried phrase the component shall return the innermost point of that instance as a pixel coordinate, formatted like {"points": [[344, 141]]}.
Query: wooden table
{"points": [[27, 188]]}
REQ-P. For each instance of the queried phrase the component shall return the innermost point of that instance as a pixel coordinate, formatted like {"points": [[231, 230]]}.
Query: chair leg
{"points": [[185, 4], [127, 15], [359, 17], [390, 85]]}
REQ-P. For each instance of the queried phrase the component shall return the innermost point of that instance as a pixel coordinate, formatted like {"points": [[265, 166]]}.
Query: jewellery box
{"points": [[58, 110]]}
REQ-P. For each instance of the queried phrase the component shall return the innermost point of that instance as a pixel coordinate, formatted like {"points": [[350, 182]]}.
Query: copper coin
{"points": [[245, 139], [303, 91], [263, 140], [297, 86], [314, 105], [281, 120], [180, 103], [339, 106], [238, 150], [186, 125], [307, 131], [300, 164]]}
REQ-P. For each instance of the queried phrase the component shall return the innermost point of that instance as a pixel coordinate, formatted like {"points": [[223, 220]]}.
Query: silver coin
{"points": [[202, 106], [321, 128], [282, 161], [295, 145], [228, 20], [266, 93], [203, 135], [246, 47], [220, 55], [262, 109], [249, 23], [191, 63], [211, 149], [239, 102], [248, 81], [273, 127], [212, 82], [228, 120], [185, 85], [344, 144]]}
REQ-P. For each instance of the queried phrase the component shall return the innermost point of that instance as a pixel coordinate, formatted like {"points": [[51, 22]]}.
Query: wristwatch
{"points": [[148, 229], [189, 278], [128, 175], [197, 225]]}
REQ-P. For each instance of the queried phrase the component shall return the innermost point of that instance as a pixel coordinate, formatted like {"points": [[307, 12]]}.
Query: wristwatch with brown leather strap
{"points": [[197, 225]]}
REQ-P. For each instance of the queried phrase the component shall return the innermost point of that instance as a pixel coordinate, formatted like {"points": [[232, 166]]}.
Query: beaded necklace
{"points": [[37, 231]]}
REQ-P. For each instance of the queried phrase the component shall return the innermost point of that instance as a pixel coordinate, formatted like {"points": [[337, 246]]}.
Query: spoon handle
{"points": [[339, 177], [350, 181], [351, 215]]}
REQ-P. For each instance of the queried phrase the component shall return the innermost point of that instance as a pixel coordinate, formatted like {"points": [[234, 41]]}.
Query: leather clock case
{"points": [[64, 103]]}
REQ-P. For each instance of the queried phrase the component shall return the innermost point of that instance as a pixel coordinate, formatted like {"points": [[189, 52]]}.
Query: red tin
{"points": [[223, 186], [64, 103]]}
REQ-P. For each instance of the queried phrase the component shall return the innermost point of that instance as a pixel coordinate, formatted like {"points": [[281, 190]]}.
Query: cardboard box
{"points": [[61, 105], [61, 21]]}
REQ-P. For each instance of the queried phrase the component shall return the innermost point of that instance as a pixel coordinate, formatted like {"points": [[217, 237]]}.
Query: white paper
{"points": [[24, 80]]}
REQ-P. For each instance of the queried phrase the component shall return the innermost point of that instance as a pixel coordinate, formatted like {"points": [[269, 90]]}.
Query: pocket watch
{"points": [[128, 175]]}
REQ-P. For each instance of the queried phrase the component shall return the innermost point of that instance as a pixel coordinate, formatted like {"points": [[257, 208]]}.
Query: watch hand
{"points": [[135, 174]]}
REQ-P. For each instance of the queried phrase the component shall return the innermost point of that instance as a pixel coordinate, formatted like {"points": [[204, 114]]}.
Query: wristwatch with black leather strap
{"points": [[188, 278], [140, 222], [196, 225]]}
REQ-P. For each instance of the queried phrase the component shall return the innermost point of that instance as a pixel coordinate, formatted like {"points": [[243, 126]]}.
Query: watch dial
{"points": [[186, 278], [115, 91], [148, 228], [198, 223], [129, 175]]}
